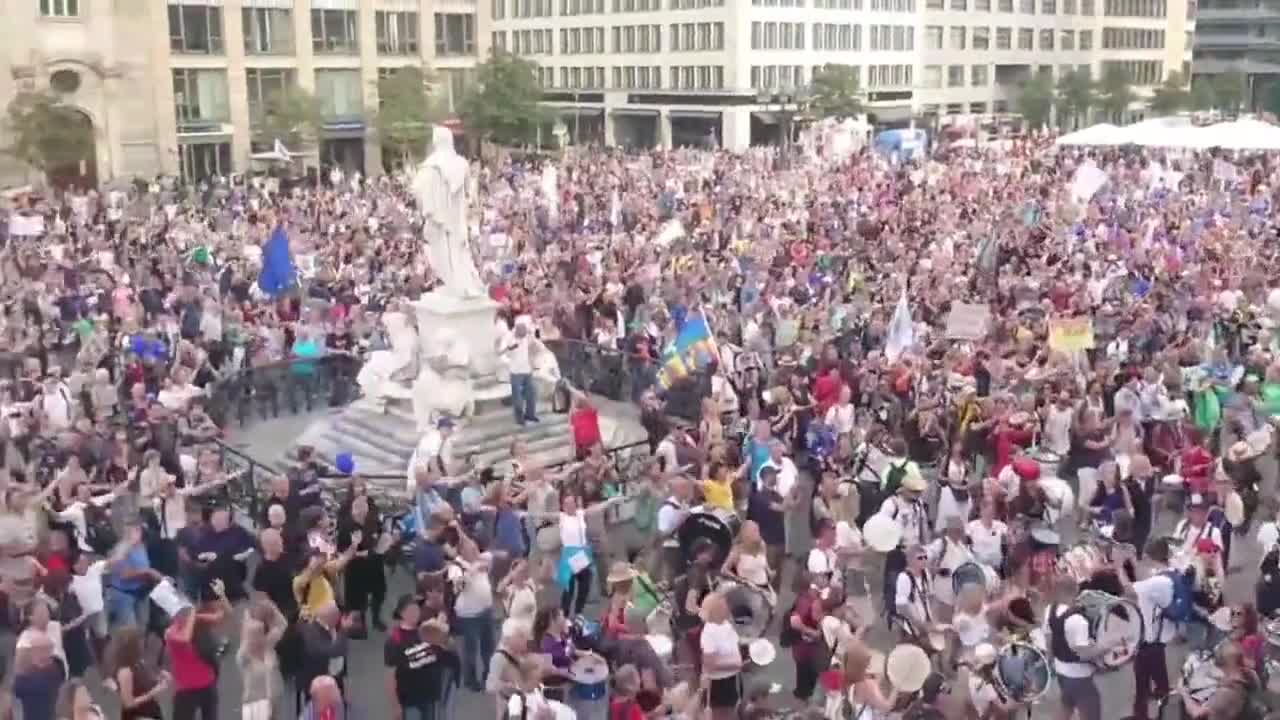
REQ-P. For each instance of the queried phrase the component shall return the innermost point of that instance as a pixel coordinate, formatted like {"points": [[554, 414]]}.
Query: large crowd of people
{"points": [[974, 429]]}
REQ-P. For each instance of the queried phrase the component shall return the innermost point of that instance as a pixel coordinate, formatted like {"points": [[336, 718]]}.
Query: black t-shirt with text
{"points": [[419, 666]]}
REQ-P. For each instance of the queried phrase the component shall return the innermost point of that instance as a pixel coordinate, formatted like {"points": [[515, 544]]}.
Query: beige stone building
{"points": [[177, 86]]}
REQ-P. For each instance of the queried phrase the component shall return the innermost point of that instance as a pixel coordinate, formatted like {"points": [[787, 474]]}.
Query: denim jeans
{"points": [[123, 608], [478, 645], [425, 711], [523, 398]]}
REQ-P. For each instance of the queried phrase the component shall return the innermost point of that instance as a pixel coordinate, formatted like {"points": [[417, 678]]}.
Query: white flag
{"points": [[281, 150], [615, 211], [902, 334]]}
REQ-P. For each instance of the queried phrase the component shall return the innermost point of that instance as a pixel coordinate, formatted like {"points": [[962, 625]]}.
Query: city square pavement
{"points": [[366, 682]]}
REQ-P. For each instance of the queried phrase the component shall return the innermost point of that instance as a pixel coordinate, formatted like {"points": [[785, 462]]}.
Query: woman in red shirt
{"points": [[614, 622], [622, 702], [806, 622], [194, 679]]}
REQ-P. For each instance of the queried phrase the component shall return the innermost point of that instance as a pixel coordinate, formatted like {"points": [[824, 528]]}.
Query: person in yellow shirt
{"points": [[313, 587], [717, 490]]}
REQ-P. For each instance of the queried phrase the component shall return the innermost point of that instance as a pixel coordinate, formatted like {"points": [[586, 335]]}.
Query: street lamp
{"points": [[789, 104]]}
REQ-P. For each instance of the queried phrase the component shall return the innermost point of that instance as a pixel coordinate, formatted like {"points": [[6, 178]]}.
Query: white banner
{"points": [[26, 225]]}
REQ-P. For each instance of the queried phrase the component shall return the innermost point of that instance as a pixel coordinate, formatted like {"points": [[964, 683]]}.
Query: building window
{"points": [[456, 34], [1046, 39], [933, 37], [982, 38], [498, 9], [340, 92], [261, 85], [195, 29], [957, 38], [982, 5], [1004, 6], [1068, 40], [1027, 7], [60, 8], [1026, 39], [1004, 38], [397, 32], [267, 31], [1048, 7], [1087, 7], [201, 161], [978, 76], [200, 96], [932, 77], [955, 76], [959, 5], [334, 31], [1086, 40]]}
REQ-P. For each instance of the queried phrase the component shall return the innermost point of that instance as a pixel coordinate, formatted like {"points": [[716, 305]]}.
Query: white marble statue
{"points": [[388, 375], [440, 186], [444, 385]]}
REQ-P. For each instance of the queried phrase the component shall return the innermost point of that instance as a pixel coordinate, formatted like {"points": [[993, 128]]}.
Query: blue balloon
{"points": [[138, 344], [345, 463]]}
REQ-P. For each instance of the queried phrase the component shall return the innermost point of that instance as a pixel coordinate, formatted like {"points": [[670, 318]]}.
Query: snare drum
{"points": [[1114, 621], [1022, 673], [1048, 460], [713, 524], [750, 608], [590, 678]]}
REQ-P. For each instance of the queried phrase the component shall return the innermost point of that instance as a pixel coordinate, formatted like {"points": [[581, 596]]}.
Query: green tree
{"points": [[505, 107], [45, 134], [1271, 99], [835, 93], [1075, 98], [1035, 102], [1230, 90], [1172, 97], [1201, 94], [406, 111], [1115, 94], [292, 116]]}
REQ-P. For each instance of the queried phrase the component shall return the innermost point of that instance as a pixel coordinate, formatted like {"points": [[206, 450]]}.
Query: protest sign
{"points": [[1070, 334], [968, 321], [1086, 182], [26, 225]]}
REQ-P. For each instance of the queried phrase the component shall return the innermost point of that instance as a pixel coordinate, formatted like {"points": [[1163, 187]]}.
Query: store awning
{"points": [[635, 112], [697, 114], [582, 112]]}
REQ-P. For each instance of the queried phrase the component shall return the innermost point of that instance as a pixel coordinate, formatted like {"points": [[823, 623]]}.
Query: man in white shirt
{"points": [[1195, 527], [907, 509], [912, 591], [517, 349], [1057, 425], [1128, 397], [55, 404], [1073, 650], [1154, 595], [671, 516], [787, 478]]}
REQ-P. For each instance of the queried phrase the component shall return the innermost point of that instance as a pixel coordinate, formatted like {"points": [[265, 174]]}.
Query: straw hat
{"points": [[620, 572]]}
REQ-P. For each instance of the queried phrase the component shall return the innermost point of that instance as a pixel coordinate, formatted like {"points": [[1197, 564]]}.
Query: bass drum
{"points": [[751, 609], [1115, 621], [716, 526]]}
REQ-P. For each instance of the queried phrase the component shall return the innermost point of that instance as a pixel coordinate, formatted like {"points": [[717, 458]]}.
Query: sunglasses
{"points": [[922, 557]]}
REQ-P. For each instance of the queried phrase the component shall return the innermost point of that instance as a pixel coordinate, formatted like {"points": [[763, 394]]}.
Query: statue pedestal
{"points": [[474, 320]]}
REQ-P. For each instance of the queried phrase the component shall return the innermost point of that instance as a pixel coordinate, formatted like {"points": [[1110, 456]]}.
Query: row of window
{"points": [[1140, 72], [1132, 39], [569, 8], [1137, 8], [696, 37], [876, 5], [979, 76], [633, 77], [684, 37], [889, 76], [198, 29], [582, 41], [979, 38], [1024, 7], [777, 36], [835, 36], [892, 37], [782, 77]]}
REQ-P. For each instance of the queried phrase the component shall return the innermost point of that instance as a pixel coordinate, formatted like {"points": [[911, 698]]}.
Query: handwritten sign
{"points": [[968, 321], [26, 225], [1070, 334]]}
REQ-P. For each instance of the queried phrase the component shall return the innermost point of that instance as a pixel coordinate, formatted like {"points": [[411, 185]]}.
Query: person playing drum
{"points": [[913, 604], [947, 553], [1074, 650], [984, 694], [748, 563], [721, 658]]}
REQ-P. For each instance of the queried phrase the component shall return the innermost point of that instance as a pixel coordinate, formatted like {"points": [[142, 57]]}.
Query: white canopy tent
{"points": [[1238, 135], [1101, 134]]}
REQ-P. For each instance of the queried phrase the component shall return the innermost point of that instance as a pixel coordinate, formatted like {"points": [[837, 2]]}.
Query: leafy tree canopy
{"points": [[1229, 91], [1172, 97], [1115, 92], [406, 111], [293, 116], [1075, 97], [1035, 102], [835, 93], [45, 134], [505, 107]]}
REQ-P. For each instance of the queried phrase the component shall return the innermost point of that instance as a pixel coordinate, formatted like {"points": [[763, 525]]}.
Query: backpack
{"points": [[1181, 605], [893, 478]]}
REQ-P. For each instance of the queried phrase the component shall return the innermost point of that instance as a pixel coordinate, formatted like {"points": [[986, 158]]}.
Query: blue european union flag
{"points": [[278, 273]]}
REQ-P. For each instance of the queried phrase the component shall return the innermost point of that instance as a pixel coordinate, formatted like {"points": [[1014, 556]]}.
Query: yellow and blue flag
{"points": [[694, 349]]}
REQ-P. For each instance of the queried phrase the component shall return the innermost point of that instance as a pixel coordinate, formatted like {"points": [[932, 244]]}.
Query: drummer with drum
{"points": [[913, 603], [1155, 597], [906, 510]]}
